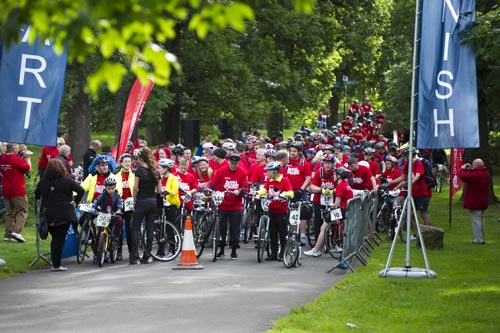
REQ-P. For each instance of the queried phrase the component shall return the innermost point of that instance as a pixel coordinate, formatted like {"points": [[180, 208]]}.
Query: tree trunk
{"points": [[333, 104], [120, 105], [483, 152], [78, 114], [274, 123]]}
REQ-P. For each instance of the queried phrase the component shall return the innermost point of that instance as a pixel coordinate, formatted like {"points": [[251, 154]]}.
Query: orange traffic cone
{"points": [[188, 254]]}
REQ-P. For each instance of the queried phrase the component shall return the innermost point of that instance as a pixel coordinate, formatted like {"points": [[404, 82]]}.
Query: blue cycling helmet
{"points": [[101, 159]]}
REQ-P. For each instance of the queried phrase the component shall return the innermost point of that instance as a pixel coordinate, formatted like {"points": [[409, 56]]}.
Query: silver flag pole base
{"points": [[407, 272]]}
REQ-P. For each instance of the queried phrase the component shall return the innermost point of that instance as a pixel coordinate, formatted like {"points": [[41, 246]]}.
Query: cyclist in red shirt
{"points": [[299, 173], [233, 180], [343, 193]]}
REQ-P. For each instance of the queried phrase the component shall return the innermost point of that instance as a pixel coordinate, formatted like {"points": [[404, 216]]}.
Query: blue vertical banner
{"points": [[31, 88], [447, 114]]}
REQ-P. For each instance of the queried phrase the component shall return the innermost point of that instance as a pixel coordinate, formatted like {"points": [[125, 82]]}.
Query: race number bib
{"points": [[294, 217], [326, 200], [103, 220], [85, 207], [336, 214], [129, 204]]}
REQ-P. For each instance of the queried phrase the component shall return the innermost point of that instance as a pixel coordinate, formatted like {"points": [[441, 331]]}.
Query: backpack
{"points": [[429, 178]]}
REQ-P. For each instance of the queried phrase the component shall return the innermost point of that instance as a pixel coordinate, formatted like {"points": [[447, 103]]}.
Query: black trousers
{"points": [[277, 227], [127, 224], [317, 221], [144, 209], [57, 245], [234, 220]]}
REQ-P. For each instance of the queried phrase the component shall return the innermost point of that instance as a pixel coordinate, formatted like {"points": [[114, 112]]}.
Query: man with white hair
{"points": [[477, 178]]}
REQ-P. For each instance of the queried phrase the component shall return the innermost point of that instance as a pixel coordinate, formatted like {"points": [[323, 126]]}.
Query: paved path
{"points": [[227, 296]]}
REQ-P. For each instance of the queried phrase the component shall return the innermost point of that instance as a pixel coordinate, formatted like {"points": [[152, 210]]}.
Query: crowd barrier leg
{"points": [[42, 245]]}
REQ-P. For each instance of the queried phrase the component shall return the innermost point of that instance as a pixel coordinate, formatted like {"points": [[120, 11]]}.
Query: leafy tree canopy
{"points": [[136, 29]]}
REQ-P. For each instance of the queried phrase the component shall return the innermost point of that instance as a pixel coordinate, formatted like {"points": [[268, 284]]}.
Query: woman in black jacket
{"points": [[56, 191]]}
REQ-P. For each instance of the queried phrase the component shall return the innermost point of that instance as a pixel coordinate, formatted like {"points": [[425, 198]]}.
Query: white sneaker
{"points": [[18, 237], [413, 237], [338, 249], [312, 253]]}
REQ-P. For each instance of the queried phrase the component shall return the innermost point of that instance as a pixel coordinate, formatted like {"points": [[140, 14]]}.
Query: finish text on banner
{"points": [[31, 88], [447, 95]]}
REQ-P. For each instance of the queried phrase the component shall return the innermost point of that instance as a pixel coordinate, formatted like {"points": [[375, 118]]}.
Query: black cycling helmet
{"points": [[124, 156], [297, 145], [110, 181], [328, 147], [101, 159], [342, 172], [178, 150]]}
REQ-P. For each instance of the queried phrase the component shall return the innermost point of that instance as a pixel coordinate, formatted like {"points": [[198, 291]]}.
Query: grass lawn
{"points": [[465, 296]]}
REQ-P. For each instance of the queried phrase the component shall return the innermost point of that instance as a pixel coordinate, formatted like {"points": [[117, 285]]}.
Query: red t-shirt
{"points": [[361, 178], [327, 180], [202, 180], [51, 151], [344, 191], [216, 166], [391, 175], [283, 185], [257, 173], [13, 169], [99, 186], [187, 182], [127, 193], [227, 179], [297, 171]]}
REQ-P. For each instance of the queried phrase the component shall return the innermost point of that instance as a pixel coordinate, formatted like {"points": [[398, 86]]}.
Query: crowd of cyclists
{"points": [[350, 156]]}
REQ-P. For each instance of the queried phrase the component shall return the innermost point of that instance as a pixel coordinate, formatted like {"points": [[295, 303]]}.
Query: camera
{"points": [[468, 167]]}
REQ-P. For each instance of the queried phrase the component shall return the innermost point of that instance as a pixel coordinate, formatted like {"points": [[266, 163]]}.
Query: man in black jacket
{"points": [[89, 156]]}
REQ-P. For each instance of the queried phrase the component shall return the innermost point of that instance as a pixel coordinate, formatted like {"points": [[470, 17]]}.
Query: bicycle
{"points": [[106, 242], [205, 214], [263, 239], [386, 217], [334, 232], [291, 255], [87, 233], [165, 233], [217, 197], [251, 214]]}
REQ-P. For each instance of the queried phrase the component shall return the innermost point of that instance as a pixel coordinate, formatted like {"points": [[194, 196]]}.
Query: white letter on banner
{"points": [[452, 10], [34, 71], [444, 84], [443, 122], [446, 46], [29, 102]]}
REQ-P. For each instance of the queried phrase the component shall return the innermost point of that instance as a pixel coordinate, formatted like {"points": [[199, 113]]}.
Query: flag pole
{"points": [[408, 271]]}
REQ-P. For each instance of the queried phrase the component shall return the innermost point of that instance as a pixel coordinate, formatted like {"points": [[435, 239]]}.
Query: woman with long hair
{"points": [[56, 191], [147, 185]]}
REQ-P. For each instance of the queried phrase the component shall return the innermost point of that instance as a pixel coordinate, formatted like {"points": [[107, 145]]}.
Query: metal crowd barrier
{"points": [[359, 215]]}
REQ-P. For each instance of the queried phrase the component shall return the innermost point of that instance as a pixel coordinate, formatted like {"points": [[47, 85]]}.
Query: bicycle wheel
{"points": [[332, 240], [292, 251], [174, 240], [113, 251], [141, 241], [101, 248], [261, 238], [84, 239], [201, 235], [215, 239], [310, 233], [400, 215], [248, 225]]}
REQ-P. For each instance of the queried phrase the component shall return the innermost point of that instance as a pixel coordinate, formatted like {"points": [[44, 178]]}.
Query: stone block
{"points": [[433, 237]]}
